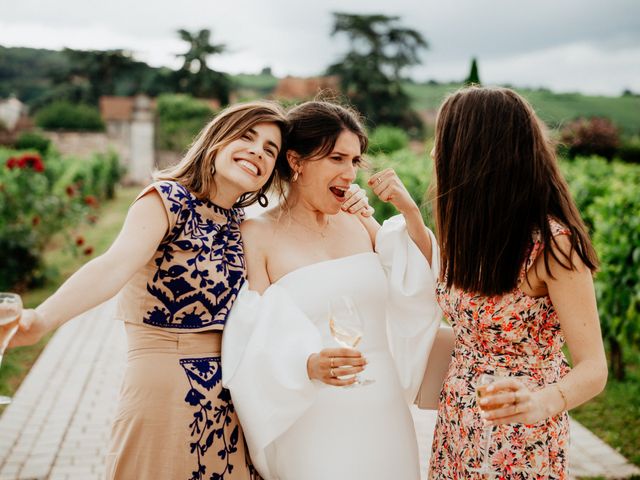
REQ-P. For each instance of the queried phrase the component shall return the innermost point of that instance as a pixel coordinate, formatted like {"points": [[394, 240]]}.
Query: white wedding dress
{"points": [[298, 429]]}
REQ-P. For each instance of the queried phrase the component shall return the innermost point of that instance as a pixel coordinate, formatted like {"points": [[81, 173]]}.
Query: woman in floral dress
{"points": [[515, 283]]}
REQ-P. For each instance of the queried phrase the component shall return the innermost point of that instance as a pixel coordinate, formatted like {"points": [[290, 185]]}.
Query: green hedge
{"points": [[70, 116], [180, 118]]}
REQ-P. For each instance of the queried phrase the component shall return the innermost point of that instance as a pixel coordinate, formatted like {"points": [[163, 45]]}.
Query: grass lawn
{"points": [[17, 362]]}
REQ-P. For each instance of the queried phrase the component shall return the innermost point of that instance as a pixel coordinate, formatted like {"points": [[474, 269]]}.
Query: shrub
{"points": [[617, 240], [180, 118], [594, 136], [629, 151], [387, 139], [41, 196], [69, 116], [33, 141]]}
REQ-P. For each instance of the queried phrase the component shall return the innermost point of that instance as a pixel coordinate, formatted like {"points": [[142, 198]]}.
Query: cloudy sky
{"points": [[592, 46]]}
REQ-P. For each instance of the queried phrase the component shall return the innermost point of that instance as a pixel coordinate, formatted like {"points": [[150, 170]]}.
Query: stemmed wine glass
{"points": [[10, 309], [481, 389], [347, 328]]}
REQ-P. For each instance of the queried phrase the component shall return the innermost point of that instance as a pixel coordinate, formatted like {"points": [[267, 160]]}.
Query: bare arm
{"points": [[573, 297], [255, 254], [102, 277]]}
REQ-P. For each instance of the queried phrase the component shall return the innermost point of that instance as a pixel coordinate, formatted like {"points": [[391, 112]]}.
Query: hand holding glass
{"points": [[347, 328], [10, 309]]}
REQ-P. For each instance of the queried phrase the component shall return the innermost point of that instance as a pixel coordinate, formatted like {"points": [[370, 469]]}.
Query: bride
{"points": [[286, 374]]}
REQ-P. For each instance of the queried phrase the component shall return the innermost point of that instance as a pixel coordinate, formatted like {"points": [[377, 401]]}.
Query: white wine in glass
{"points": [[10, 309], [347, 328]]}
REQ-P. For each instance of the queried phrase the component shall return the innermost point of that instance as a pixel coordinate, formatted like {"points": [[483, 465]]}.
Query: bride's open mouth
{"points": [[249, 167], [339, 192]]}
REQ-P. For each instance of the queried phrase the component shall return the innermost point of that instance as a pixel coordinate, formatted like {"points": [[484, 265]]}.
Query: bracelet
{"points": [[564, 397]]}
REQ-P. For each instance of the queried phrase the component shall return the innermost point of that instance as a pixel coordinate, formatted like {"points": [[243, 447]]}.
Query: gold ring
{"points": [[331, 372], [515, 398], [331, 362], [378, 180]]}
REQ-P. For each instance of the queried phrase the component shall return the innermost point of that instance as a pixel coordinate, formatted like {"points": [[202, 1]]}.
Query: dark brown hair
{"points": [[194, 170], [498, 182], [314, 128]]}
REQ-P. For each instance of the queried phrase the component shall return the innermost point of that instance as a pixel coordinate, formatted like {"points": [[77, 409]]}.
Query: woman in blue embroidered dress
{"points": [[178, 264]]}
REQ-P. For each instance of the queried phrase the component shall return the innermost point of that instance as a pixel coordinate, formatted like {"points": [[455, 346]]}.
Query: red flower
{"points": [[79, 241], [88, 251], [35, 221], [91, 201], [12, 162], [92, 219], [70, 191], [31, 161]]}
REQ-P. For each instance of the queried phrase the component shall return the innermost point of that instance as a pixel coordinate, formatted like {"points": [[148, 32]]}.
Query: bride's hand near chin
{"points": [[331, 363], [357, 202], [389, 188]]}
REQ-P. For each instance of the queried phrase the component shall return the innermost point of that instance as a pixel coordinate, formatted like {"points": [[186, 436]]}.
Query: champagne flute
{"points": [[481, 390], [347, 328], [10, 309]]}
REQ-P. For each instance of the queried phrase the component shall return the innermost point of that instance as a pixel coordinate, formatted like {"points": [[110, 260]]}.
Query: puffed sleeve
{"points": [[265, 346], [413, 314]]}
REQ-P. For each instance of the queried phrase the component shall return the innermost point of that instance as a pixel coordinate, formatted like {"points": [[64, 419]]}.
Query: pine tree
{"points": [[474, 77]]}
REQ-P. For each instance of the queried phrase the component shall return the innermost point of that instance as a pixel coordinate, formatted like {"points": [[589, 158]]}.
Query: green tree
{"points": [[474, 76], [371, 71], [195, 77]]}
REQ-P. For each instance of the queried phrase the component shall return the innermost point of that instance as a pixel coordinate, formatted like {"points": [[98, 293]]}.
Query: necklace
{"points": [[322, 232]]}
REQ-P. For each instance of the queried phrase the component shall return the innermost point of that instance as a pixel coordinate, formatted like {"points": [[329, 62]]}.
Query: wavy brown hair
{"points": [[497, 182], [194, 170]]}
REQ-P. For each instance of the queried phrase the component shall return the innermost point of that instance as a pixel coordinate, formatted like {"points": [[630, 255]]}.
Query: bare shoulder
{"points": [[257, 230]]}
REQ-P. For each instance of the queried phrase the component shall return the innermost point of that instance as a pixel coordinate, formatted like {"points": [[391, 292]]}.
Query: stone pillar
{"points": [[142, 141]]}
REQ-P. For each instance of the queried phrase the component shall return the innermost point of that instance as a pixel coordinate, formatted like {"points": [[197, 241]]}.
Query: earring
{"points": [[213, 169], [263, 200], [295, 177]]}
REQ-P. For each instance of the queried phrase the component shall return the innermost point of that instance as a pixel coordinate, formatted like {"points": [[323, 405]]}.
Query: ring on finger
{"points": [[378, 180], [515, 398], [331, 374], [331, 359]]}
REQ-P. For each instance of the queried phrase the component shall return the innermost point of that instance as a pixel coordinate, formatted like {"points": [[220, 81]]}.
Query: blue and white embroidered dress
{"points": [[298, 429], [174, 418]]}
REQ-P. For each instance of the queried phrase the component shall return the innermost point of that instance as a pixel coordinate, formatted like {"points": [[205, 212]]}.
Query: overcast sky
{"points": [[592, 46]]}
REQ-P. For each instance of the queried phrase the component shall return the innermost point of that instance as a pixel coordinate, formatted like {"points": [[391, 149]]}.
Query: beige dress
{"points": [[174, 419]]}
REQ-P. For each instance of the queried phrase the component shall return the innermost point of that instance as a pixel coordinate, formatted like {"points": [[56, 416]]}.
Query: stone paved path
{"points": [[58, 426]]}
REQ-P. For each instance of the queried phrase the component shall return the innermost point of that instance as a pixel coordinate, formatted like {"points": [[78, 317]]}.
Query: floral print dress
{"points": [[507, 335]]}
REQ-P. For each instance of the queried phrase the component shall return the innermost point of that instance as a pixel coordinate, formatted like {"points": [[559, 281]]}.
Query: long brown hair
{"points": [[498, 182], [194, 171]]}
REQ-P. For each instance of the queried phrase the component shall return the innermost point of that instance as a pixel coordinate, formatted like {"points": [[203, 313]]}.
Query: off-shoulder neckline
{"points": [[322, 263]]}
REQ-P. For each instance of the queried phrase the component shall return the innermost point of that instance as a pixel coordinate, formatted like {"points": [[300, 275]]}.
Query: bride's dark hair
{"points": [[314, 128]]}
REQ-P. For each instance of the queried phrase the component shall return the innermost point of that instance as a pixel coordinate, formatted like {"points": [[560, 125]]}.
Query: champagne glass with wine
{"points": [[485, 467], [347, 328], [10, 309]]}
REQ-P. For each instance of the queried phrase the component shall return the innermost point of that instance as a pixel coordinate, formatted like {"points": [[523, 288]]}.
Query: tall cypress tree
{"points": [[474, 77]]}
